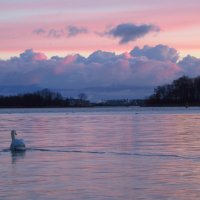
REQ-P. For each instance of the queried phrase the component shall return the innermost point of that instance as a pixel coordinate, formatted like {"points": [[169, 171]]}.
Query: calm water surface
{"points": [[101, 154]]}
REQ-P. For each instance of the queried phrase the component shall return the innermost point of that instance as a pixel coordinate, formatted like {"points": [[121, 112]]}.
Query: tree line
{"points": [[47, 99], [42, 98], [183, 91]]}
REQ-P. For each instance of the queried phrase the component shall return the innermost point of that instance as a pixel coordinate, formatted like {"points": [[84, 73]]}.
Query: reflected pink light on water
{"points": [[130, 153]]}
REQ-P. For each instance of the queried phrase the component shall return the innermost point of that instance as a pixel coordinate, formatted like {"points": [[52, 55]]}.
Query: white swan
{"points": [[16, 144]]}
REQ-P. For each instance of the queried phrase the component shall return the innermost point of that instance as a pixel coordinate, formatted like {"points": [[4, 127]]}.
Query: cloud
{"points": [[190, 66], [70, 31], [56, 33], [74, 31], [101, 74], [29, 55], [100, 57], [159, 52], [39, 31], [128, 32]]}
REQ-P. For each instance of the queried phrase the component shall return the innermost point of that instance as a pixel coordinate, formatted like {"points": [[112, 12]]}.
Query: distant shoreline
{"points": [[100, 106]]}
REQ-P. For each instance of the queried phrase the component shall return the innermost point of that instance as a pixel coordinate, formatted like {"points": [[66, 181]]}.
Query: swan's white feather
{"points": [[17, 144]]}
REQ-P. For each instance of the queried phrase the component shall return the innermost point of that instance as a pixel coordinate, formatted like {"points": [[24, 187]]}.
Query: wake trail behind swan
{"points": [[172, 156]]}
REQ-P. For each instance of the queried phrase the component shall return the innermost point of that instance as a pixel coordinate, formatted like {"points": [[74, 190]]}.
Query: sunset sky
{"points": [[111, 45]]}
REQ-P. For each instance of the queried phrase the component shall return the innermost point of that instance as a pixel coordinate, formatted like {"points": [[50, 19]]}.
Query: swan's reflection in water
{"points": [[17, 155]]}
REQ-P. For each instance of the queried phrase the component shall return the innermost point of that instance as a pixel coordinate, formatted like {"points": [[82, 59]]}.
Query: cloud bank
{"points": [[102, 74], [128, 32]]}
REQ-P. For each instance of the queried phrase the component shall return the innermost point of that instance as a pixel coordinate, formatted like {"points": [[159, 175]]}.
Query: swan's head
{"points": [[13, 132]]}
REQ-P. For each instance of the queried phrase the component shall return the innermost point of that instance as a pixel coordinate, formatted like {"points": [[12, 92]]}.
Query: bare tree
{"points": [[82, 96]]}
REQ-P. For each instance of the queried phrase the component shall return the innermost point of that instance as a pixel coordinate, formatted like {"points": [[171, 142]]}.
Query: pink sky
{"points": [[177, 20]]}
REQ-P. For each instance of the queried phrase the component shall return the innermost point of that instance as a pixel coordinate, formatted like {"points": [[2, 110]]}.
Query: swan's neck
{"points": [[13, 136]]}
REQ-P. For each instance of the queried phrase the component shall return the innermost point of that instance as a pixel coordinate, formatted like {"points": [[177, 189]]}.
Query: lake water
{"points": [[101, 154]]}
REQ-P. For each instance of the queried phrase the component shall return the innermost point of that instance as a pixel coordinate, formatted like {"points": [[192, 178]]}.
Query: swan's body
{"points": [[16, 144]]}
